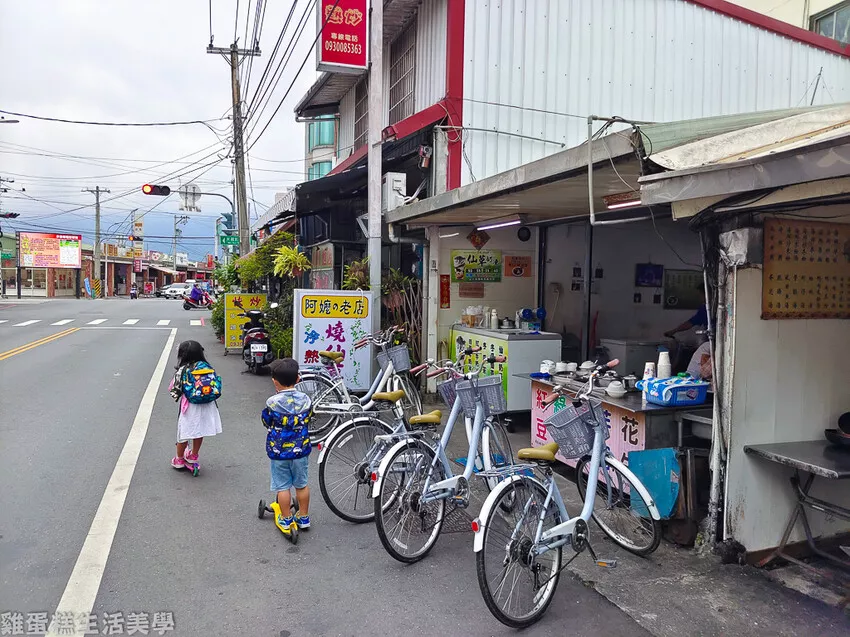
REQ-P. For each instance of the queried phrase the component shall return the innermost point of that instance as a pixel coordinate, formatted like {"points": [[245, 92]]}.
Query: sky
{"points": [[130, 61]]}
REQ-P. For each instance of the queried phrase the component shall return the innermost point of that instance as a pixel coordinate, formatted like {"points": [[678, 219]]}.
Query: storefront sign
{"points": [[627, 429], [333, 320], [517, 266], [445, 291], [470, 290], [137, 265], [323, 257], [210, 262], [182, 259], [43, 250], [322, 279], [344, 36], [234, 306], [138, 252], [148, 288], [138, 229], [476, 266]]}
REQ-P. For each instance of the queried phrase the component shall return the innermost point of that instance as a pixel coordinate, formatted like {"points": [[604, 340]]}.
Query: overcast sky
{"points": [[130, 61]]}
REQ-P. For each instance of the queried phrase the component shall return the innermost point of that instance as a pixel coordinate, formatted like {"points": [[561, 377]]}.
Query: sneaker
{"points": [[285, 524], [190, 457], [303, 521], [178, 463]]}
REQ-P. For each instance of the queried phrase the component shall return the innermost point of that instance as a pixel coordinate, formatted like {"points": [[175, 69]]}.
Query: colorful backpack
{"points": [[201, 384], [287, 417]]}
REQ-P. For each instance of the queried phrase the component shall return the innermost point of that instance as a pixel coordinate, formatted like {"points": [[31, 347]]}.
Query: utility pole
{"points": [[373, 197], [232, 55], [96, 192], [182, 219]]}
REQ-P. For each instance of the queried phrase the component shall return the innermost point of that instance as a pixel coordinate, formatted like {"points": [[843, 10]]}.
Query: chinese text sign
{"points": [[344, 36], [234, 306]]}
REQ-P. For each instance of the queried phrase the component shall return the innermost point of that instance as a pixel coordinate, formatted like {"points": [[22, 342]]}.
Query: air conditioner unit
{"points": [[393, 191]]}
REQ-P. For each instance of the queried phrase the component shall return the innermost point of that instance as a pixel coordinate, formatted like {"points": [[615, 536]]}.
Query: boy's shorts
{"points": [[289, 473]]}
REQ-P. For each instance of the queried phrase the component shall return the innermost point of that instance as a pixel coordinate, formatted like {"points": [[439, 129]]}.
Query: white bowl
{"points": [[587, 365]]}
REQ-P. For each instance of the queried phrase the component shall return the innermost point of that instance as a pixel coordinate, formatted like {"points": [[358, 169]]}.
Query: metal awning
{"points": [[549, 189], [162, 269]]}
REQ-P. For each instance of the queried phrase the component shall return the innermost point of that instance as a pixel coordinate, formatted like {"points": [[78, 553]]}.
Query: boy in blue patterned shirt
{"points": [[288, 444]]}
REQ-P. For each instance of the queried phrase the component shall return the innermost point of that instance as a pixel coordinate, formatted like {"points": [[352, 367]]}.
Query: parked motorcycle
{"points": [[256, 343], [204, 303]]}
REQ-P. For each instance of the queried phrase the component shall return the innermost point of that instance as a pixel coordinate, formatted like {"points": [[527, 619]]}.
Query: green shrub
{"points": [[278, 322], [217, 318]]}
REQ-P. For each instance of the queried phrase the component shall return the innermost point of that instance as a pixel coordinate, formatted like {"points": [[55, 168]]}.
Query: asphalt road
{"points": [[193, 547]]}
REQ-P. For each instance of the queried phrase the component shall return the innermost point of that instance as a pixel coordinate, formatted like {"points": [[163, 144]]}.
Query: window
{"points": [[321, 133], [361, 113], [402, 74], [318, 170], [834, 23]]}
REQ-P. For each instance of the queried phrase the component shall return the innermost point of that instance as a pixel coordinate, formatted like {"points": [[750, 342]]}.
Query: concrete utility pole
{"points": [[182, 219], [96, 191], [232, 54], [373, 198]]}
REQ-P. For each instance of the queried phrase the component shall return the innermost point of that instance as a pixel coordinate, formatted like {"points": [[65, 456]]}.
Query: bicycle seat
{"points": [[544, 453], [389, 396], [336, 357], [433, 418]]}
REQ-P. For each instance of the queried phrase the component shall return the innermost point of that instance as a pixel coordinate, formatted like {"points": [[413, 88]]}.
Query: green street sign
{"points": [[229, 240], [6, 255]]}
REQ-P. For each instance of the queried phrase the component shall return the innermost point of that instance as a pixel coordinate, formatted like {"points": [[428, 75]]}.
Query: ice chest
{"points": [[674, 392]]}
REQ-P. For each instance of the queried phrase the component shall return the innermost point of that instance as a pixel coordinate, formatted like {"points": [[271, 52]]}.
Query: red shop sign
{"points": [[344, 38], [445, 291]]}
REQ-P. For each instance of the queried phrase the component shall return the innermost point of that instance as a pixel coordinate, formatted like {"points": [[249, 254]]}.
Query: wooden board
{"points": [[806, 270]]}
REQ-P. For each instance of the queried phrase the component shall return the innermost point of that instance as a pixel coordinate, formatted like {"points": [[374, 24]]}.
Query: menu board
{"points": [[44, 250], [476, 266], [806, 270]]}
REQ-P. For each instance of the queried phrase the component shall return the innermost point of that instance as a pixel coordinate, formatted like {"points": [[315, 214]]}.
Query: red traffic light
{"points": [[161, 191]]}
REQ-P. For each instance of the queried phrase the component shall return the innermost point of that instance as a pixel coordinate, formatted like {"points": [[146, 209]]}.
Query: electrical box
{"points": [[393, 191]]}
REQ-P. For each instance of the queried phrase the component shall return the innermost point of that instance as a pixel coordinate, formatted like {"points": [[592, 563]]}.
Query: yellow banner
{"points": [[323, 306], [234, 305]]}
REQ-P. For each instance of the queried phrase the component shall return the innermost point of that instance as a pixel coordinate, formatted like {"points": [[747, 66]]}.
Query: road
{"points": [[86, 421]]}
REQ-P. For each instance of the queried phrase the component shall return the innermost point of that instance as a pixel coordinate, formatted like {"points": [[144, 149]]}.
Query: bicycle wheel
{"points": [[412, 401], [495, 449], [346, 468], [323, 392], [409, 528], [626, 520], [518, 586]]}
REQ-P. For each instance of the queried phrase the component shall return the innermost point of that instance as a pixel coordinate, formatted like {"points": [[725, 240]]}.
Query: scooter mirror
{"points": [[274, 305]]}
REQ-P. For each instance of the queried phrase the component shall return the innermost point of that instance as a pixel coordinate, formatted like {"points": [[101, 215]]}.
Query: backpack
{"points": [[288, 435], [201, 384]]}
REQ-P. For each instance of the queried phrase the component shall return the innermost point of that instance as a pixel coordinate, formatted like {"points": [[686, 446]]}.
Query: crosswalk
{"points": [[106, 322]]}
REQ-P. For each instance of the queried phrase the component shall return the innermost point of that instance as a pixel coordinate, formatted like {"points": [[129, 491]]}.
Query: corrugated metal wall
{"points": [[657, 60], [430, 69]]}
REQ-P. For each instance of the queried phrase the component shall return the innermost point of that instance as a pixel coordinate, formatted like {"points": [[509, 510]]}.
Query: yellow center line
{"points": [[34, 344]]}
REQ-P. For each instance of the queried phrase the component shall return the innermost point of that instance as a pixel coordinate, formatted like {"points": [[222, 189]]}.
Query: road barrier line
{"points": [[81, 591], [33, 344]]}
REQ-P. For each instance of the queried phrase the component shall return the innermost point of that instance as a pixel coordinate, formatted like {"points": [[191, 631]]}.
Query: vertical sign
{"points": [[333, 320], [344, 36], [445, 291], [234, 306], [137, 265]]}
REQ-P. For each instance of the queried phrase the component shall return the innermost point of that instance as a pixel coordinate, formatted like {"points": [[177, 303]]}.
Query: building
{"points": [[824, 17], [319, 147]]}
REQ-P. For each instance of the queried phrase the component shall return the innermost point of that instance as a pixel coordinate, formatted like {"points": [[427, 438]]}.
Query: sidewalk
{"points": [[677, 592]]}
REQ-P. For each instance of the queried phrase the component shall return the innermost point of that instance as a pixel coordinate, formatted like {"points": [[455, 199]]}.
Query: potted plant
{"points": [[355, 275], [289, 262], [393, 289]]}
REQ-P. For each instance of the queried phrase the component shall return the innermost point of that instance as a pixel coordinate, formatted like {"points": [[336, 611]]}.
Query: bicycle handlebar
{"points": [[558, 390]]}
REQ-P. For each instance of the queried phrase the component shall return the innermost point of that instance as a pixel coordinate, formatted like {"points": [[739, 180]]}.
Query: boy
{"points": [[288, 444]]}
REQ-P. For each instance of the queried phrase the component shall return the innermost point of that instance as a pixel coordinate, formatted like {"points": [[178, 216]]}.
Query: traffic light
{"points": [[228, 221], [160, 191]]}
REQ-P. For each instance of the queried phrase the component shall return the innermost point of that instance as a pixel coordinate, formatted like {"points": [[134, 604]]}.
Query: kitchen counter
{"points": [[511, 334]]}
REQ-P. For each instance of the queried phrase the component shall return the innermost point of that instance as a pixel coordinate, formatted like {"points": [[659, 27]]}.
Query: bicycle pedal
{"points": [[460, 501], [606, 563]]}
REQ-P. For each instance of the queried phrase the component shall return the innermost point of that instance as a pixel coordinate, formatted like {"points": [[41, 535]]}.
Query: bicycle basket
{"points": [[489, 389], [572, 427], [448, 391], [399, 355]]}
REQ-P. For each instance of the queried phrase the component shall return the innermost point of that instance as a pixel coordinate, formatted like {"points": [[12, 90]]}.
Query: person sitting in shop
{"points": [[700, 365]]}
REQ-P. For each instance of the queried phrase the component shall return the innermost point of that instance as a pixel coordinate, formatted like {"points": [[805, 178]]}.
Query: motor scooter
{"points": [[204, 303], [256, 343], [134, 291]]}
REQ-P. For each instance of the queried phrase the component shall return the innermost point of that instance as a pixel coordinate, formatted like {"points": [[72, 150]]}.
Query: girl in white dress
{"points": [[194, 421]]}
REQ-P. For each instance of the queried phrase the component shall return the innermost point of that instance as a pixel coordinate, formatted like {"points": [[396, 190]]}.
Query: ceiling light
{"points": [[622, 200], [448, 235], [501, 222], [624, 204]]}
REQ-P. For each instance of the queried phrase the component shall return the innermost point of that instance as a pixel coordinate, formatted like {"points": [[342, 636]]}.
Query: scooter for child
{"points": [[274, 509], [193, 467]]}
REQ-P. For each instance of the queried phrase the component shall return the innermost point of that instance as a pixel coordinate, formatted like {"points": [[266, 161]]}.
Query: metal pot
{"points": [[506, 324]]}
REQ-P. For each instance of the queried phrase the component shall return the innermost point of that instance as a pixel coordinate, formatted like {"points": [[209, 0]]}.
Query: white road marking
{"points": [[81, 590], [163, 322], [63, 322], [195, 322], [131, 321], [4, 321], [97, 322], [25, 323]]}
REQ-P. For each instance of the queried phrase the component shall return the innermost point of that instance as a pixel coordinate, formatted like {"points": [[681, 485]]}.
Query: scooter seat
{"points": [[544, 453], [336, 357], [432, 418], [389, 396]]}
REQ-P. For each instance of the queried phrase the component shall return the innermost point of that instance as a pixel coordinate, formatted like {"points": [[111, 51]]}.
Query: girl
{"points": [[195, 421]]}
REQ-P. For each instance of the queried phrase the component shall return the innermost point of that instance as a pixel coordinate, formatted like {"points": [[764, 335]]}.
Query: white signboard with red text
{"points": [[343, 41]]}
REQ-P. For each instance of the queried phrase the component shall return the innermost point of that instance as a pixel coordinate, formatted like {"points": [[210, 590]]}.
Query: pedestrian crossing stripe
{"points": [[97, 322], [163, 322], [127, 322], [63, 322], [25, 323], [195, 322], [4, 321], [131, 321]]}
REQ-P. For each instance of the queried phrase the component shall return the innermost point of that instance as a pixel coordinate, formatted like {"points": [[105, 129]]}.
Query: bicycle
{"points": [[331, 398], [352, 452], [416, 479], [524, 524]]}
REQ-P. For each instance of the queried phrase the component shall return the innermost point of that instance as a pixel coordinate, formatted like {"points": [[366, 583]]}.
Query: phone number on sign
{"points": [[344, 47]]}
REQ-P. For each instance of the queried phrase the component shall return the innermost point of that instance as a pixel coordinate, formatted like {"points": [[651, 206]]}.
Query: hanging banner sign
{"points": [[445, 291], [344, 36], [333, 320], [137, 265], [476, 266], [44, 250]]}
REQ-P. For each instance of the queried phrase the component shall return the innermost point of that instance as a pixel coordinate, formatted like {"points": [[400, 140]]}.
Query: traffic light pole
{"points": [[232, 54], [96, 192]]}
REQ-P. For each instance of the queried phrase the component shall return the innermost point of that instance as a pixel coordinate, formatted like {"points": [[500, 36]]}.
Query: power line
{"points": [[95, 123]]}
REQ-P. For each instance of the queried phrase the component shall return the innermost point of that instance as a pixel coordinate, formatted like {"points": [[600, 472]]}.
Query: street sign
{"points": [[229, 240]]}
